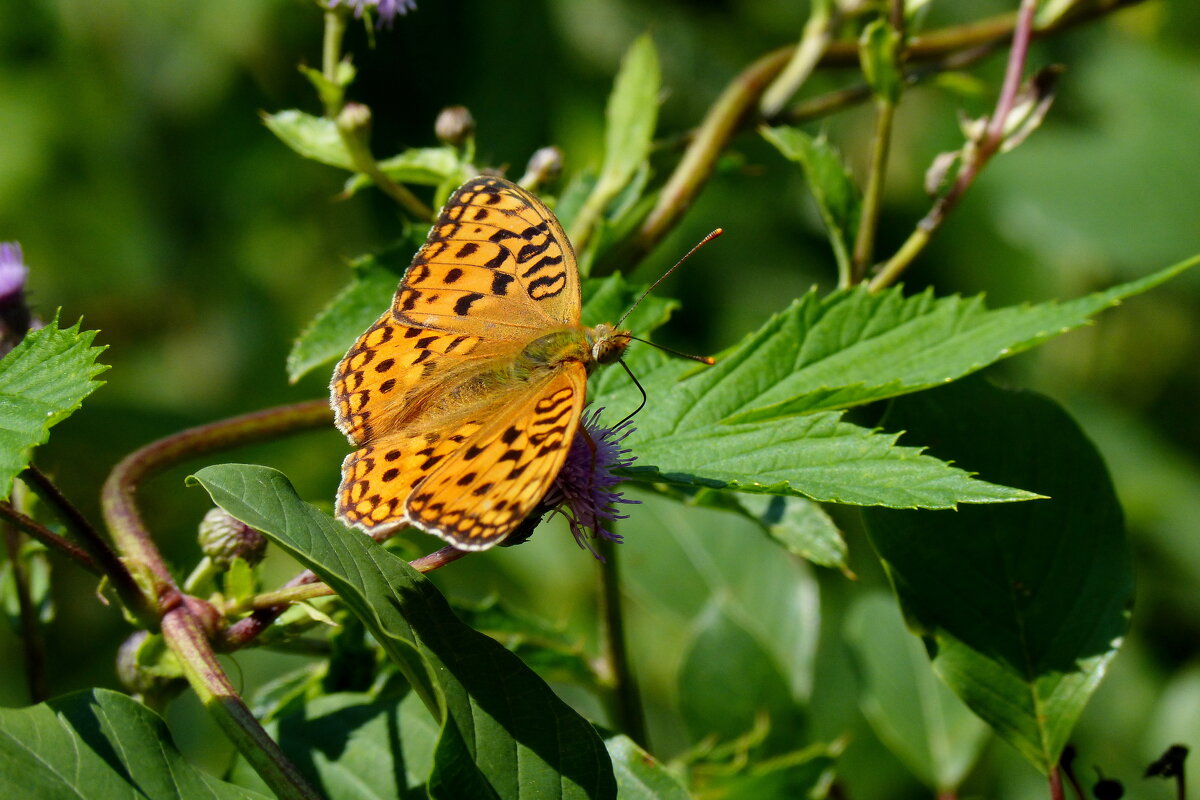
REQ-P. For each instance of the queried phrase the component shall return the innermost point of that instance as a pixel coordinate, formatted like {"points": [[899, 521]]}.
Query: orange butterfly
{"points": [[464, 397]]}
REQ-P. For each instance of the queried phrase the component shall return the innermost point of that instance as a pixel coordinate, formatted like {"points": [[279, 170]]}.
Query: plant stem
{"points": [[268, 607], [987, 147], [103, 560], [179, 627], [736, 107], [54, 541], [864, 242], [354, 138], [626, 707], [818, 33], [1056, 787], [186, 638], [32, 644]]}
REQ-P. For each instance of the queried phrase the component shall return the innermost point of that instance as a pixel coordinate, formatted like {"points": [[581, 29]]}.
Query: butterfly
{"points": [[463, 398]]}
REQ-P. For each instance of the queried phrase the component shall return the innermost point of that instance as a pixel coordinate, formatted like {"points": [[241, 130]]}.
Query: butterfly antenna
{"points": [[636, 383], [709, 360], [699, 244]]}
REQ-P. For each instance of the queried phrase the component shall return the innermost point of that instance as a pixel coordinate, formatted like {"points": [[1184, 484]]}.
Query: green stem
{"points": [[736, 108], [33, 646], [291, 594], [354, 137], [186, 638], [626, 705], [203, 574], [818, 33], [864, 242]]}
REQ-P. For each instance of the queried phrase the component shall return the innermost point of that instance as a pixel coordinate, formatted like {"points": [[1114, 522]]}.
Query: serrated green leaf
{"points": [[353, 746], [879, 53], [352, 311], [43, 380], [504, 732], [911, 711], [639, 775], [1023, 606], [830, 182], [855, 347], [682, 437], [98, 744]]}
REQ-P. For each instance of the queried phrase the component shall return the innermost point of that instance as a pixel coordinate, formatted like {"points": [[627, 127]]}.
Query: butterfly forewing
{"points": [[496, 262]]}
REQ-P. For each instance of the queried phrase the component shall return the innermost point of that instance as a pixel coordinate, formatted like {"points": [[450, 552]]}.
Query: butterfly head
{"points": [[608, 344]]}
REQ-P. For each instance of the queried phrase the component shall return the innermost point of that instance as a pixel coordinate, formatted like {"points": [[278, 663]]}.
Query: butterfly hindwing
{"points": [[490, 483]]}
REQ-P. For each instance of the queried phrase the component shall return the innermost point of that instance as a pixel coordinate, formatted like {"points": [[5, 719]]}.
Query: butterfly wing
{"points": [[496, 263], [496, 272], [477, 483]]}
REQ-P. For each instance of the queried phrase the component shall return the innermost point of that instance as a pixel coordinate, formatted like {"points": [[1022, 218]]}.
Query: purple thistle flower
{"points": [[387, 10], [583, 491]]}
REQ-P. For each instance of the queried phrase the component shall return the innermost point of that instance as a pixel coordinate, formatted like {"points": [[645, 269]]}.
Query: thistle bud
{"points": [[354, 117], [454, 126], [146, 666], [223, 538]]}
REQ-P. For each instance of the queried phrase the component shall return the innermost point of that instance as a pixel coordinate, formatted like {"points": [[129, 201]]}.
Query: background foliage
{"points": [[150, 199]]}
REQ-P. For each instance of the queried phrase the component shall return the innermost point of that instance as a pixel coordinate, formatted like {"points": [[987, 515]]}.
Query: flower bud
{"points": [[223, 538], [454, 126], [354, 117], [146, 666], [544, 165]]}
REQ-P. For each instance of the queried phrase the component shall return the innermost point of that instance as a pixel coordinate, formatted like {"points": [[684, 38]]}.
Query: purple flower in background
{"points": [[15, 320], [583, 491], [387, 10], [12, 271]]}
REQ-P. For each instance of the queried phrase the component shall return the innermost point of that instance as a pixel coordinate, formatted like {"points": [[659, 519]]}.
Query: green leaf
{"points": [[98, 744], [352, 311], [729, 679], [43, 380], [804, 773], [606, 299], [551, 653], [424, 166], [631, 116], [504, 732], [1022, 606], [353, 745], [854, 347], [831, 185], [909, 708], [801, 526], [639, 775], [878, 53], [683, 437], [315, 138], [318, 139]]}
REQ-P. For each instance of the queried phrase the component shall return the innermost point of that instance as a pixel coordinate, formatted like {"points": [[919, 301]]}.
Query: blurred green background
{"points": [[150, 200]]}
